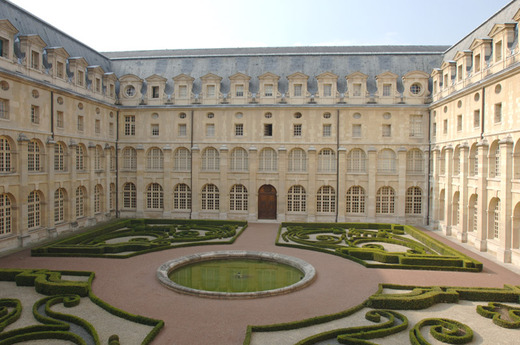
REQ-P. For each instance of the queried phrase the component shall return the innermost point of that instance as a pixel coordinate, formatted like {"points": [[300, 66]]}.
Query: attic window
{"points": [[240, 90], [130, 91], [60, 67], [183, 91], [387, 90], [81, 78], [357, 90], [98, 85], [4, 47], [297, 90], [415, 89], [268, 91], [155, 91], [477, 63], [35, 60], [327, 90], [498, 51]]}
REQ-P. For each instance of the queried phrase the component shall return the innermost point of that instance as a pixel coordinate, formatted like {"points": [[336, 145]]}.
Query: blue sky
{"points": [[115, 25]]}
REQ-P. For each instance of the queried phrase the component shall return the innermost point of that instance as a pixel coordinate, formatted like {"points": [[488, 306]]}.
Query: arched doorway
{"points": [[267, 202]]}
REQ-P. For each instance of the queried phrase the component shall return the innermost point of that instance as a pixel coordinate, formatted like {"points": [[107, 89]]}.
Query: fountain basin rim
{"points": [[309, 272]]}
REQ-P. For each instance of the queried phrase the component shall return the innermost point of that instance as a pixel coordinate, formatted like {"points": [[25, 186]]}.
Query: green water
{"points": [[236, 275]]}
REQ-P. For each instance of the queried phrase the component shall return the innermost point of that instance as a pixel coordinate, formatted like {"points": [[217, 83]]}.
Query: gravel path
{"points": [[130, 284]]}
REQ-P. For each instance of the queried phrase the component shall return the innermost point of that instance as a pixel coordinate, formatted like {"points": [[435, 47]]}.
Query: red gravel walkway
{"points": [[130, 284]]}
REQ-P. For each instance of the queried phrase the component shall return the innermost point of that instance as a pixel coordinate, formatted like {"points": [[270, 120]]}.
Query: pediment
{"points": [[462, 54], [58, 51], [33, 39], [498, 28], [327, 75], [79, 61], [95, 69], [156, 78], [516, 17], [269, 76], [129, 78], [7, 26], [447, 64], [298, 75], [240, 76], [357, 75], [477, 42], [183, 77], [387, 75], [416, 75], [110, 76], [436, 72], [211, 77]]}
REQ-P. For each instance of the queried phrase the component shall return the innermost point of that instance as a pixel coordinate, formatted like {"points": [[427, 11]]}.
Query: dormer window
{"points": [[35, 59], [81, 78], [239, 90], [130, 91], [357, 90], [459, 72], [111, 90], [98, 85], [387, 90], [327, 90], [155, 91], [415, 89], [183, 91], [297, 90], [210, 90], [446, 80], [268, 91], [4, 47], [498, 51], [477, 63], [60, 68]]}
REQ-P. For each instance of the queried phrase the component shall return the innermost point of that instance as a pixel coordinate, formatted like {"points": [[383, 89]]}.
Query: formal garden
{"points": [[53, 306]]}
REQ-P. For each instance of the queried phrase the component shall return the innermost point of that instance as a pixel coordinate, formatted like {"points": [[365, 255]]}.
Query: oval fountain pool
{"points": [[236, 274]]}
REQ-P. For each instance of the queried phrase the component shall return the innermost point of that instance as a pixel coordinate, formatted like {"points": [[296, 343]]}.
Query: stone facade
{"points": [[318, 134]]}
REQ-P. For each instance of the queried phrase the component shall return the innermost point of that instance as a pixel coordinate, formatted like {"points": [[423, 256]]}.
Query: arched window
{"points": [[473, 213], [129, 158], [34, 215], [154, 197], [385, 200], [442, 162], [182, 159], [496, 217], [386, 162], [112, 159], [98, 158], [59, 157], [59, 205], [80, 202], [182, 197], [455, 209], [210, 197], [6, 164], [80, 158], [154, 159], [355, 202], [326, 199], [268, 160], [239, 160], [210, 160], [34, 156], [494, 160], [326, 161], [112, 197], [296, 199], [356, 161], [456, 161], [238, 198], [413, 203], [415, 162], [129, 195], [6, 214], [98, 198], [297, 160], [473, 160]]}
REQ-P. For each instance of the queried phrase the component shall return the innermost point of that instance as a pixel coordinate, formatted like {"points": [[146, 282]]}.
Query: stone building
{"points": [[315, 134]]}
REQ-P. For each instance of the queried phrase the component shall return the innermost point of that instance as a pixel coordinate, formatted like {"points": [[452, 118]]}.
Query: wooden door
{"points": [[267, 202]]}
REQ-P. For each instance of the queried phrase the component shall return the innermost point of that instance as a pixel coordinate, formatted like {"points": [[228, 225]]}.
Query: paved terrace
{"points": [[131, 285]]}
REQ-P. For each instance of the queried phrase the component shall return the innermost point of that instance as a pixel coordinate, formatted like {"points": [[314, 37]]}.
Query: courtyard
{"points": [[130, 284]]}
